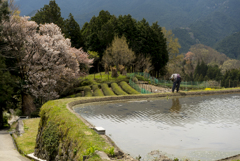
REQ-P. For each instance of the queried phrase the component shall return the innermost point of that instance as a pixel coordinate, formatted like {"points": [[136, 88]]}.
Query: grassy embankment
{"points": [[26, 142], [63, 123]]}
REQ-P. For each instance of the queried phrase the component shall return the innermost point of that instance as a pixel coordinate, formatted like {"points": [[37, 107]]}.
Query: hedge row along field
{"points": [[117, 90], [122, 89], [127, 88], [106, 90], [97, 91], [87, 92]]}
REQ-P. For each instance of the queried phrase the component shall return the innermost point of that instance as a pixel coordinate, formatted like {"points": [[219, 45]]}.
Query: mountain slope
{"points": [[169, 13], [230, 46]]}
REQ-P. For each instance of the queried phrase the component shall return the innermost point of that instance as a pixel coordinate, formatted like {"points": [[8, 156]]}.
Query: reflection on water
{"points": [[176, 106], [199, 128]]}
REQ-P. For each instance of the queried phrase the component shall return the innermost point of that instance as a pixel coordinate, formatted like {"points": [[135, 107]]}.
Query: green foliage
{"points": [[231, 78], [6, 116], [51, 139], [117, 90], [49, 14], [144, 39], [69, 129], [106, 90], [91, 151], [128, 89], [110, 151], [86, 82], [87, 91], [73, 32], [97, 91], [230, 46]]}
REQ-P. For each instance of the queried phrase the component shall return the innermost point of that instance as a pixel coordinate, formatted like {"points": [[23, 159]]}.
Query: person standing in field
{"points": [[176, 78]]}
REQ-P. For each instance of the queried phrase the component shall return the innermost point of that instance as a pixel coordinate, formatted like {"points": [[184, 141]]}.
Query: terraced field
{"points": [[112, 89]]}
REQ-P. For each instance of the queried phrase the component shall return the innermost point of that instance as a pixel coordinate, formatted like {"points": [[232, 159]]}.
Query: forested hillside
{"points": [[230, 46], [170, 13]]}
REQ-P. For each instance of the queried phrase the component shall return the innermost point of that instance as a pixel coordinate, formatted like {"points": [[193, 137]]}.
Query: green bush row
{"points": [[95, 87], [117, 90], [106, 90], [128, 88], [87, 92], [97, 91]]}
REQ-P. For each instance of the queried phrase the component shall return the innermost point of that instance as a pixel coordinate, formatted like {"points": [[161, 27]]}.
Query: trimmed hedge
{"points": [[97, 91], [117, 90], [127, 88], [106, 90], [87, 92]]}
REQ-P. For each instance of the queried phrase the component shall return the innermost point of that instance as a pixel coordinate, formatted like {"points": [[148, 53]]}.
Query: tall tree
{"points": [[173, 45], [99, 32], [6, 88], [5, 79], [159, 54], [50, 14], [118, 53], [73, 32]]}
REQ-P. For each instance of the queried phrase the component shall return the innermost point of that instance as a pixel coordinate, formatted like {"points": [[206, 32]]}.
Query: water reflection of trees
{"points": [[176, 106]]}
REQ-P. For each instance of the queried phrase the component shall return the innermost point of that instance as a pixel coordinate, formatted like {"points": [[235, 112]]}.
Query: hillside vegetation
{"points": [[230, 46]]}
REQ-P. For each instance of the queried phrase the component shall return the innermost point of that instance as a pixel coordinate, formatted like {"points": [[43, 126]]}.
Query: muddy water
{"points": [[197, 128]]}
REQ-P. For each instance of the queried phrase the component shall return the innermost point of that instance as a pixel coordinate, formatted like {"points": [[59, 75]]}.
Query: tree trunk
{"points": [[28, 106]]}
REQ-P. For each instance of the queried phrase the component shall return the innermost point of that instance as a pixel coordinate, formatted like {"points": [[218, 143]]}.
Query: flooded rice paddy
{"points": [[196, 128]]}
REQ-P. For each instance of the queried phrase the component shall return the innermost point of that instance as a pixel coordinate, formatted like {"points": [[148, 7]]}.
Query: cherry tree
{"points": [[45, 59]]}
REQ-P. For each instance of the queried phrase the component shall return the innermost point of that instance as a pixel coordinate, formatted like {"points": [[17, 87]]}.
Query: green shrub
{"points": [[135, 80], [127, 88], [110, 151], [106, 90], [95, 87], [117, 90], [6, 116], [18, 112], [87, 92], [98, 92], [86, 82]]}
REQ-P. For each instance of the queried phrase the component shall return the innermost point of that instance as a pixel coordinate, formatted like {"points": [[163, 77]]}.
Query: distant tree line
{"points": [[204, 72]]}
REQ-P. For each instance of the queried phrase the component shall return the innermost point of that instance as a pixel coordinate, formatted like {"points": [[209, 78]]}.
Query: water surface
{"points": [[197, 128]]}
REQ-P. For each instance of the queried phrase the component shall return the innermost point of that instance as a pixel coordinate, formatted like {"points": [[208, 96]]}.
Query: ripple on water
{"points": [[199, 128]]}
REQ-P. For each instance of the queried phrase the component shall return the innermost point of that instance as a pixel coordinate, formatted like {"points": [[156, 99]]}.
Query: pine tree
{"points": [[200, 79], [73, 32], [49, 14]]}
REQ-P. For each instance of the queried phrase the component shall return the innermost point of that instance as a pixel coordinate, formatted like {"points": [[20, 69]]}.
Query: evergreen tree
{"points": [[160, 53], [196, 77], [99, 32], [206, 78], [73, 32], [50, 14], [203, 68], [200, 79], [6, 89], [197, 70]]}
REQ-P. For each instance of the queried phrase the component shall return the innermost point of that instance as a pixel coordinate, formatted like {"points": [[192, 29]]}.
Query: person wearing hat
{"points": [[176, 78]]}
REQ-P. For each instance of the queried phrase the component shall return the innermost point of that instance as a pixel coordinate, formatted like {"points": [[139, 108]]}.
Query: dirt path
{"points": [[155, 89]]}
